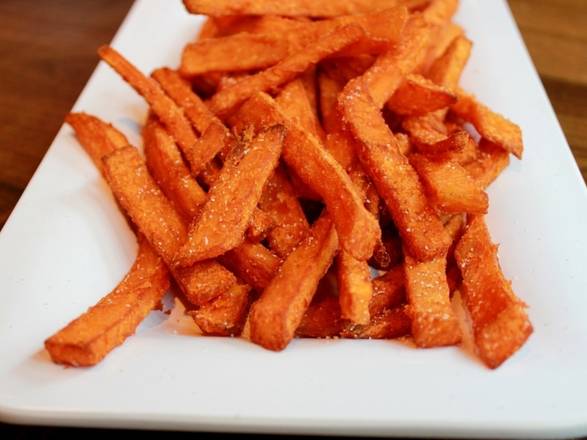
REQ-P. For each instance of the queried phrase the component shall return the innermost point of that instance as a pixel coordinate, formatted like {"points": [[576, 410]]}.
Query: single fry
{"points": [[446, 70], [434, 323], [151, 211], [232, 200], [354, 288], [489, 164], [170, 114], [89, 338], [288, 8], [276, 315], [98, 138], [500, 322], [253, 263], [418, 95], [356, 227], [395, 179], [234, 53], [167, 167], [280, 203], [226, 314], [223, 102], [449, 187], [492, 126], [293, 101], [428, 129]]}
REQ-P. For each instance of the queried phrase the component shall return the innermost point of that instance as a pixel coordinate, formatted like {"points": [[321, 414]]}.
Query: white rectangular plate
{"points": [[66, 245]]}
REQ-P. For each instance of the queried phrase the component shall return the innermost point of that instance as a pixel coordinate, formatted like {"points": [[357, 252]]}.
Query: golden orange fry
{"points": [[354, 288], [449, 186], [275, 316], [489, 164], [89, 338], [500, 322], [492, 126], [434, 323], [170, 114], [288, 8], [232, 200], [167, 167]]}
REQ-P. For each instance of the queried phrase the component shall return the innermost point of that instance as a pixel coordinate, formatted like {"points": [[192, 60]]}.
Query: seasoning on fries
{"points": [[312, 169]]}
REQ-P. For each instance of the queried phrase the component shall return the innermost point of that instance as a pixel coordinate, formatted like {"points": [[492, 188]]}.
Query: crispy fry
{"points": [[89, 338], [446, 70], [253, 263], [150, 210], [279, 201], [492, 126], [224, 315], [390, 324], [489, 164], [232, 200], [357, 228], [329, 88], [166, 165], [500, 322], [449, 187], [310, 82], [234, 53], [293, 101], [288, 8], [396, 181], [223, 102], [433, 320], [276, 315], [418, 95], [355, 289], [170, 114], [98, 138]]}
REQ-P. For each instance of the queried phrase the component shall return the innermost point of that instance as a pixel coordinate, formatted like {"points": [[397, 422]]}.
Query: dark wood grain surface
{"points": [[48, 51]]}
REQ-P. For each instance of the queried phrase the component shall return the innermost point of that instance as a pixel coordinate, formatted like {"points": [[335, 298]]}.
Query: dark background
{"points": [[48, 51]]}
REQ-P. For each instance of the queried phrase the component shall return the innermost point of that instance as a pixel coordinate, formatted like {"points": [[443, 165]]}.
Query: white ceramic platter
{"points": [[66, 245]]}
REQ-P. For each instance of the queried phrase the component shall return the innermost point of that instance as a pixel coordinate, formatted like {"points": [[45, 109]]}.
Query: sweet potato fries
{"points": [[311, 169]]}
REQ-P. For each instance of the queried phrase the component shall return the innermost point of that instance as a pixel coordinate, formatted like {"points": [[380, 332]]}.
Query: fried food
{"points": [[89, 338], [232, 200], [500, 322], [275, 316]]}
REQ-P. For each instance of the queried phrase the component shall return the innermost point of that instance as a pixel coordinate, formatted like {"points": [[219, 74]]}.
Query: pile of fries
{"points": [[300, 148]]}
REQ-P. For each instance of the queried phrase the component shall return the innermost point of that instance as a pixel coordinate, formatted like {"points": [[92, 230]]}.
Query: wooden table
{"points": [[42, 72]]}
